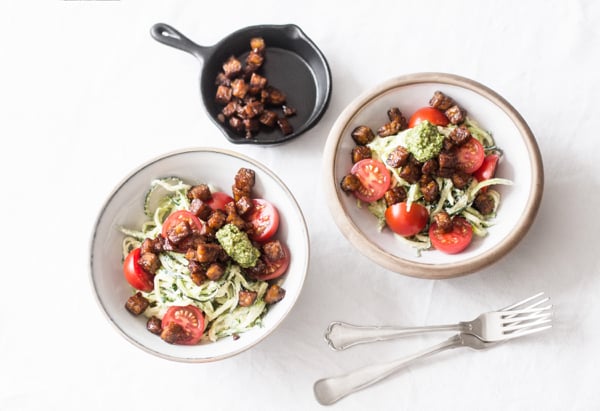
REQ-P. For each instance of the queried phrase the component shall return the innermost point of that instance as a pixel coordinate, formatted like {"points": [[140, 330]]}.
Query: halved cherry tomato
{"points": [[264, 220], [470, 156], [454, 241], [374, 179], [406, 222], [190, 318], [181, 215], [135, 275], [218, 200], [277, 268], [433, 115], [488, 168]]}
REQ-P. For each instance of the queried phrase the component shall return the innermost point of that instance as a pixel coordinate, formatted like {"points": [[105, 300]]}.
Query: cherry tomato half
{"points": [[374, 179], [264, 220], [178, 216], [135, 275], [277, 268], [190, 318], [470, 156], [433, 115], [406, 222], [454, 241], [218, 200], [488, 168]]}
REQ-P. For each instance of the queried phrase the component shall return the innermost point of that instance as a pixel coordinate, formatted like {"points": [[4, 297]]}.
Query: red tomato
{"points": [[406, 222], [454, 241], [218, 201], [135, 275], [470, 156], [264, 220], [181, 215], [275, 268], [433, 115], [188, 317], [488, 168], [374, 178]]}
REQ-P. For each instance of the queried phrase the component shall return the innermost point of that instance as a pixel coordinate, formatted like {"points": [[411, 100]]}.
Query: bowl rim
{"points": [[417, 269], [149, 163]]}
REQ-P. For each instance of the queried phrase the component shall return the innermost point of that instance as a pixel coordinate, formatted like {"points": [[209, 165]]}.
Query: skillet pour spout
{"points": [[293, 64]]}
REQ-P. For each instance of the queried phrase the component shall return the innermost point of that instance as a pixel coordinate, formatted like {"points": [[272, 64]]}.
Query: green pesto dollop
{"points": [[237, 245], [424, 141]]}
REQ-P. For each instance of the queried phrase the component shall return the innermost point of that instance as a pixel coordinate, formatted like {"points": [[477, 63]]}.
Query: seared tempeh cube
{"points": [[288, 111], [154, 325], [285, 126], [200, 191], [389, 129], [395, 195], [268, 118], [460, 135], [257, 44], [443, 221], [360, 153], [232, 67], [150, 245], [200, 209], [149, 262], [137, 304], [398, 158], [224, 94], [178, 232], [441, 101], [257, 83], [254, 61], [274, 294], [208, 252], [246, 298], [244, 206], [484, 203], [395, 115], [273, 250], [455, 114], [362, 135], [237, 124], [215, 271], [174, 333], [275, 96], [217, 219], [239, 88], [350, 183]]}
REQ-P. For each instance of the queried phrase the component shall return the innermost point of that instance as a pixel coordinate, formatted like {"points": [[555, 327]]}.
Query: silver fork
{"points": [[330, 390], [521, 318]]}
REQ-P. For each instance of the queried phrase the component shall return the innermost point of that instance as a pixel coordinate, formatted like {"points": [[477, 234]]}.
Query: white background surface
{"points": [[86, 96]]}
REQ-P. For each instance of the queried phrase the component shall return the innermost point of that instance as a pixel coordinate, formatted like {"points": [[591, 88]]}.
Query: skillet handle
{"points": [[165, 34]]}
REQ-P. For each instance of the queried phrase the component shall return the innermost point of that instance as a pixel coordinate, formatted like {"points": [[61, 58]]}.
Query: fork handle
{"points": [[342, 335], [329, 390]]}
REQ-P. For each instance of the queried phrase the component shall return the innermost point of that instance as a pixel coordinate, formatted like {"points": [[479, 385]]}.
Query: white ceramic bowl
{"points": [[521, 163], [124, 207]]}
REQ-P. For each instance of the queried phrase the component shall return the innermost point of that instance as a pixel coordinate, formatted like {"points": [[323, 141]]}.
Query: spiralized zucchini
{"points": [[173, 285], [453, 200]]}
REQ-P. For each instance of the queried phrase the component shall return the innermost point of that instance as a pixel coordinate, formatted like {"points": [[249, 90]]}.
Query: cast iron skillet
{"points": [[293, 64]]}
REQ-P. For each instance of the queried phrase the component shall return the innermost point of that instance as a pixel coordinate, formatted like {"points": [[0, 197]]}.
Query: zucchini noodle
{"points": [[453, 200], [173, 286]]}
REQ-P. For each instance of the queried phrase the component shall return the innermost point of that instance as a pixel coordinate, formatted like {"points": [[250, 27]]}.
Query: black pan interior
{"points": [[293, 64]]}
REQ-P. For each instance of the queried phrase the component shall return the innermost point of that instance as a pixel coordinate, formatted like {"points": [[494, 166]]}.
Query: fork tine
{"points": [[520, 303], [516, 314], [521, 333], [525, 320], [533, 324]]}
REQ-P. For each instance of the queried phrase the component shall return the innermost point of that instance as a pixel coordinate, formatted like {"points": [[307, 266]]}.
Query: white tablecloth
{"points": [[86, 95]]}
